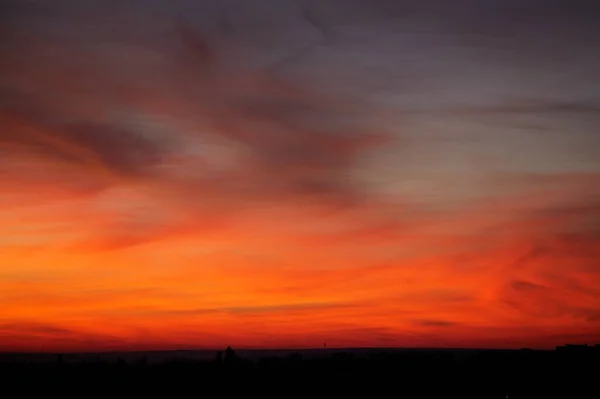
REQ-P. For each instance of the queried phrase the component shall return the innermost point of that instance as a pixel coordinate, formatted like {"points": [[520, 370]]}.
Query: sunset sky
{"points": [[278, 173]]}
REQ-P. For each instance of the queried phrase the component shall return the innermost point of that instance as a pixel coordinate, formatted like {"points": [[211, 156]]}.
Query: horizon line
{"points": [[99, 352]]}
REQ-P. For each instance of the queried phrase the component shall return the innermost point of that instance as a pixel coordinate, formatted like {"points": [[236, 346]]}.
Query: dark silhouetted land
{"points": [[567, 372]]}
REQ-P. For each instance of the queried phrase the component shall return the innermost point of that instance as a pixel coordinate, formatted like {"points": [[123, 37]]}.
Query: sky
{"points": [[285, 173]]}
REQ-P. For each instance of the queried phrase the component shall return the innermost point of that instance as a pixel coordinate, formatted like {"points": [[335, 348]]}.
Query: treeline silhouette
{"points": [[569, 372]]}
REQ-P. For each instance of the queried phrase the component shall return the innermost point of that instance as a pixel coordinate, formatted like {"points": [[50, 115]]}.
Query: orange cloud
{"points": [[173, 196]]}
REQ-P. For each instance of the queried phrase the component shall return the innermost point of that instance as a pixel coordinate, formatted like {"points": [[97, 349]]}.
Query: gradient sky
{"points": [[196, 174]]}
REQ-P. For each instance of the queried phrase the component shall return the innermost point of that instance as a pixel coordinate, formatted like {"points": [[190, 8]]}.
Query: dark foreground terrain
{"points": [[568, 373]]}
